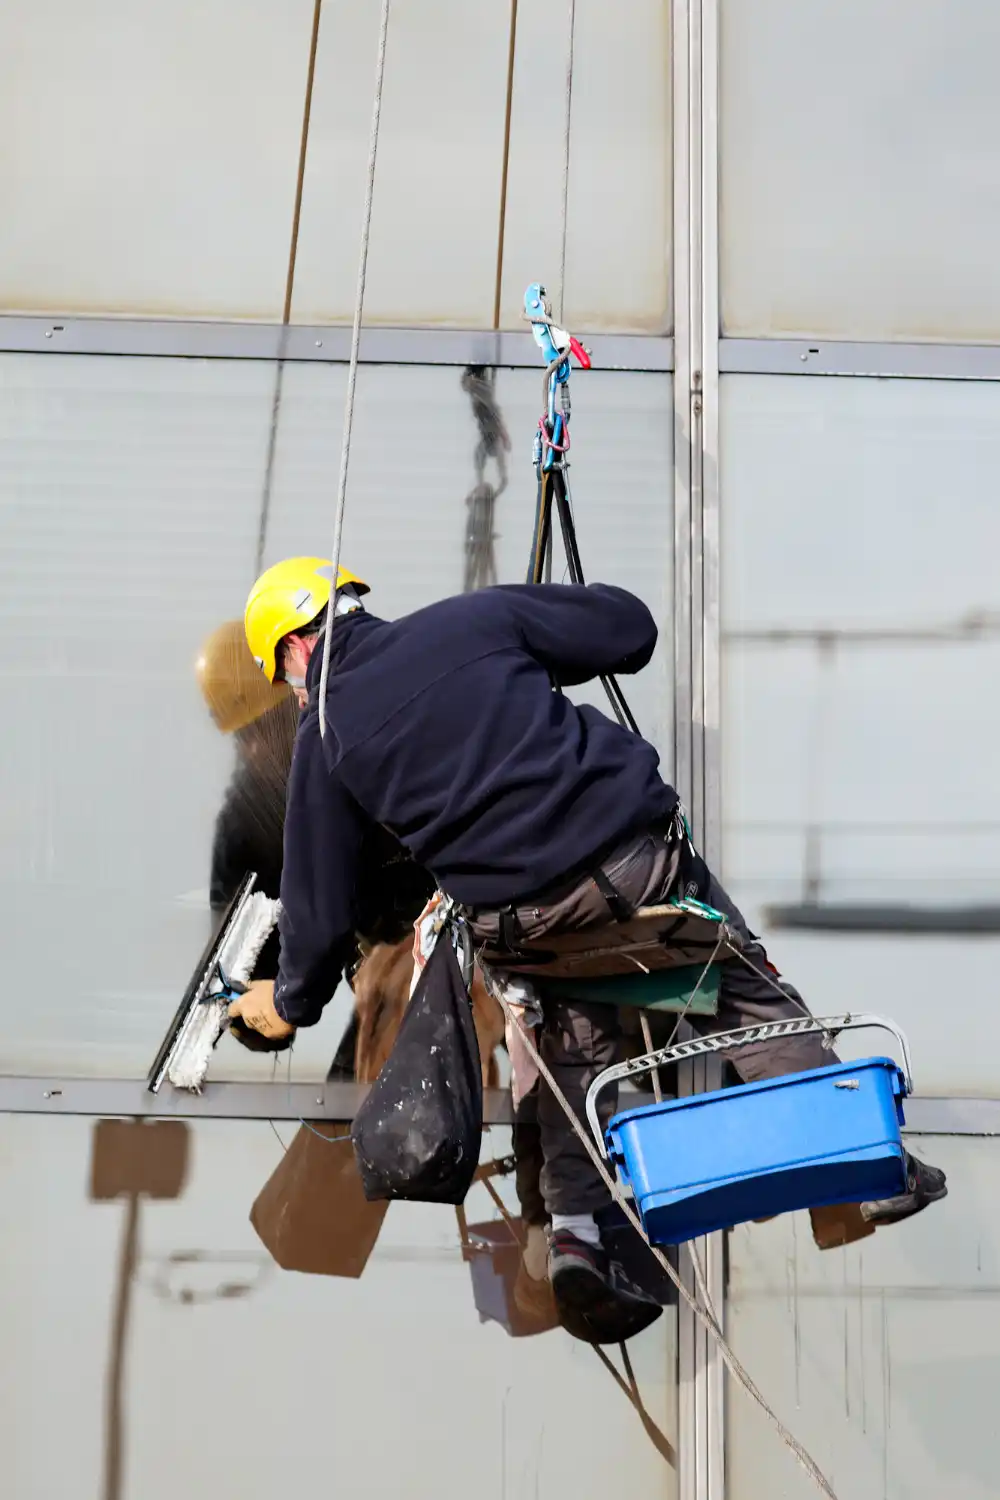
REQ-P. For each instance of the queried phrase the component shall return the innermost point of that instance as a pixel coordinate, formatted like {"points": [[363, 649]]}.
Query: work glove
{"points": [[255, 1021]]}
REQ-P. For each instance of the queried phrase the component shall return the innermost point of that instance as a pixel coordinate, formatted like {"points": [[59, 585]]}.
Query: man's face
{"points": [[294, 662]]}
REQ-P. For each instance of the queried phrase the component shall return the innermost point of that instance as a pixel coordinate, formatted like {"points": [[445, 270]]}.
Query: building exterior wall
{"points": [[149, 198], [780, 234], [856, 205]]}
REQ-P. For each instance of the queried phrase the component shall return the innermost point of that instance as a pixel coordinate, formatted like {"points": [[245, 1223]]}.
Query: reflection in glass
{"points": [[391, 1380], [882, 1352], [859, 613], [140, 481]]}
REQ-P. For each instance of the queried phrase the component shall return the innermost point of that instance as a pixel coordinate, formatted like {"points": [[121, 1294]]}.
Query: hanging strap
{"points": [[620, 909]]}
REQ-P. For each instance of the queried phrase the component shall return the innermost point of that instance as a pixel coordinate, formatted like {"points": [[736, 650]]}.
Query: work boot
{"points": [[596, 1301], [924, 1185]]}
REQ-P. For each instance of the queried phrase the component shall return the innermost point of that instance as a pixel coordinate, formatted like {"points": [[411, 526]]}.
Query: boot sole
{"points": [[591, 1310], [878, 1217]]}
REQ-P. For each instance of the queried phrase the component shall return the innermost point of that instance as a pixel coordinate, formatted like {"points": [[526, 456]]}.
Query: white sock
{"points": [[584, 1226]]}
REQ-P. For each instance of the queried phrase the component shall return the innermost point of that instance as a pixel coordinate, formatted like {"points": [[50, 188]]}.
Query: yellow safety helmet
{"points": [[286, 598], [230, 682]]}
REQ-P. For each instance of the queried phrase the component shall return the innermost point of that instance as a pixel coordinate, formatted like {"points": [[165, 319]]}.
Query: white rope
{"points": [[720, 943], [566, 144], [704, 1310], [352, 373]]}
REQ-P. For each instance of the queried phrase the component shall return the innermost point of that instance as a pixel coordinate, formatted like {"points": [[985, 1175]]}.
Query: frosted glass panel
{"points": [[859, 189], [880, 1357], [150, 155], [437, 189], [849, 506], [155, 162], [254, 1382], [132, 494], [435, 221], [412, 468], [619, 207]]}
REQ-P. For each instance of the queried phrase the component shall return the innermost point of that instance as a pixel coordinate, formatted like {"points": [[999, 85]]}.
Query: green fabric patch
{"points": [[663, 989]]}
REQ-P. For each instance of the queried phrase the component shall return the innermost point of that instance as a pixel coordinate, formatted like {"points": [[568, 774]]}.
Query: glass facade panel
{"points": [[132, 495], [859, 198], [151, 155], [161, 1343], [879, 1357], [858, 768], [440, 164]]}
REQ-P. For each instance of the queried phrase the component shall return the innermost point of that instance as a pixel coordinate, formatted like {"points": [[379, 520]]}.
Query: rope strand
{"points": [[352, 374], [566, 146]]}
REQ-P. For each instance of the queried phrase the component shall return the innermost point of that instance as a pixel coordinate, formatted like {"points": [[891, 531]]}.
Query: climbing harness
{"points": [[479, 384]]}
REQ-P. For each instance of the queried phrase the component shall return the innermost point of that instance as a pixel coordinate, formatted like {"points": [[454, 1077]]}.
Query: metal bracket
{"points": [[725, 1041]]}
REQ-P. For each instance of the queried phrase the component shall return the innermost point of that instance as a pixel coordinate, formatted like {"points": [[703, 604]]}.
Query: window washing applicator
{"points": [[222, 973]]}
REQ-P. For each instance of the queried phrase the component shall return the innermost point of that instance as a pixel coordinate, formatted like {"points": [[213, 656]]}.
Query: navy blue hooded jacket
{"points": [[444, 728]]}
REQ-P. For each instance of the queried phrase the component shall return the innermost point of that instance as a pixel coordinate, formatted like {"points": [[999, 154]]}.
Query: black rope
{"points": [[552, 485]]}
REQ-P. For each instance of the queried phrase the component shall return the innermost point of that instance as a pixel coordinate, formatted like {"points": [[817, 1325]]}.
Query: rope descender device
{"points": [[551, 466], [552, 437]]}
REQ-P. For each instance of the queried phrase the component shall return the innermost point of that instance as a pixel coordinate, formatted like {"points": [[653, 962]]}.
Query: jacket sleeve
{"points": [[323, 832], [581, 631]]}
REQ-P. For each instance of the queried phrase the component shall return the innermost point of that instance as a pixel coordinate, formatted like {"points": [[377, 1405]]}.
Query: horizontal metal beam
{"points": [[220, 1101], [968, 629], [878, 358], [329, 344], [952, 1116], [340, 1101], [160, 337], [911, 918]]}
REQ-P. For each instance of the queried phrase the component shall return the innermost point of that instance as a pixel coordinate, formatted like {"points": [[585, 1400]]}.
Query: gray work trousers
{"points": [[579, 1040]]}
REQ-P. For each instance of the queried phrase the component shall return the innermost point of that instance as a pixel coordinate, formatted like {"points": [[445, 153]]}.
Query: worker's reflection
{"points": [[248, 833], [261, 719]]}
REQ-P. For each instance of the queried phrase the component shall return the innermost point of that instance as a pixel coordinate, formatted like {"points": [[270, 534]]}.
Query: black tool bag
{"points": [[417, 1135]]}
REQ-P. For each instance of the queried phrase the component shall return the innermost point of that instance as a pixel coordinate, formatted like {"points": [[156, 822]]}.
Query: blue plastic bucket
{"points": [[831, 1135]]}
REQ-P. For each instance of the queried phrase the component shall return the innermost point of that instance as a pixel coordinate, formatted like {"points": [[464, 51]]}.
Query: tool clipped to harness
{"points": [[221, 974], [555, 343], [552, 437], [802, 1140], [417, 1136]]}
